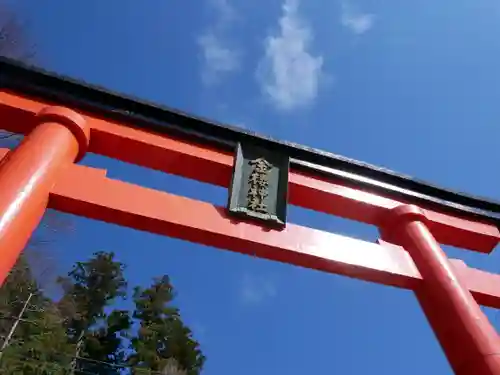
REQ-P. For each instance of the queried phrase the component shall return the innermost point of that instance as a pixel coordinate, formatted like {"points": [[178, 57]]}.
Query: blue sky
{"points": [[413, 86]]}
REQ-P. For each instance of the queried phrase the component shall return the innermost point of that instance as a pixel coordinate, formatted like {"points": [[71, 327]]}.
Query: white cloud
{"points": [[254, 290], [218, 57], [356, 21], [289, 74], [224, 11]]}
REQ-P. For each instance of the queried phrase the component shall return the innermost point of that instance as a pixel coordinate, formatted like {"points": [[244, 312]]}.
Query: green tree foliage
{"points": [[42, 348], [89, 289], [39, 345], [82, 335], [103, 351], [162, 336]]}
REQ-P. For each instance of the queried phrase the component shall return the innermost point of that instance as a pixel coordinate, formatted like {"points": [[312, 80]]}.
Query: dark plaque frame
{"points": [[276, 200]]}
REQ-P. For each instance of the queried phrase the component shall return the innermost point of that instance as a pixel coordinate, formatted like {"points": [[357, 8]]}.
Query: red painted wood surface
{"points": [[468, 339], [209, 165], [28, 174], [42, 170], [108, 200]]}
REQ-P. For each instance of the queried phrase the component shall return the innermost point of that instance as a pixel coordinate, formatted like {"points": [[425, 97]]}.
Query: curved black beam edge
{"points": [[41, 84]]}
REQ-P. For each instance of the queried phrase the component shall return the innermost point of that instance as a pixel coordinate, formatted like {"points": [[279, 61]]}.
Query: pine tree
{"points": [[162, 336], [103, 346], [74, 336], [38, 345], [89, 289], [41, 347]]}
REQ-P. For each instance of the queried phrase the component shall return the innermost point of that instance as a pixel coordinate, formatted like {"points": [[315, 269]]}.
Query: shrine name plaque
{"points": [[259, 186]]}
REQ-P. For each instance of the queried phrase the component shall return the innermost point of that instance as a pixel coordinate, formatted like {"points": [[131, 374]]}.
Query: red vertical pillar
{"points": [[28, 173], [469, 341]]}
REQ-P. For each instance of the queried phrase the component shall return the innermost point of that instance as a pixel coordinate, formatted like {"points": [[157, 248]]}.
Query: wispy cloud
{"points": [[218, 57], [355, 20], [224, 10], [288, 73], [254, 290]]}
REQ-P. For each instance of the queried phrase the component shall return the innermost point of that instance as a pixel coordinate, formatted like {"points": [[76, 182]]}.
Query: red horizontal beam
{"points": [[83, 191], [199, 162], [88, 192]]}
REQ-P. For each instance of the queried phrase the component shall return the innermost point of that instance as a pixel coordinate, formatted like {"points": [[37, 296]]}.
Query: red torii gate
{"points": [[63, 119]]}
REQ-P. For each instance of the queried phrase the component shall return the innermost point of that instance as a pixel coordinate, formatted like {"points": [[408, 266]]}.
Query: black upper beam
{"points": [[49, 86]]}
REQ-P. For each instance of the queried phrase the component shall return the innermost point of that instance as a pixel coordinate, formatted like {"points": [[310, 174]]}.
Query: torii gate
{"points": [[64, 119]]}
